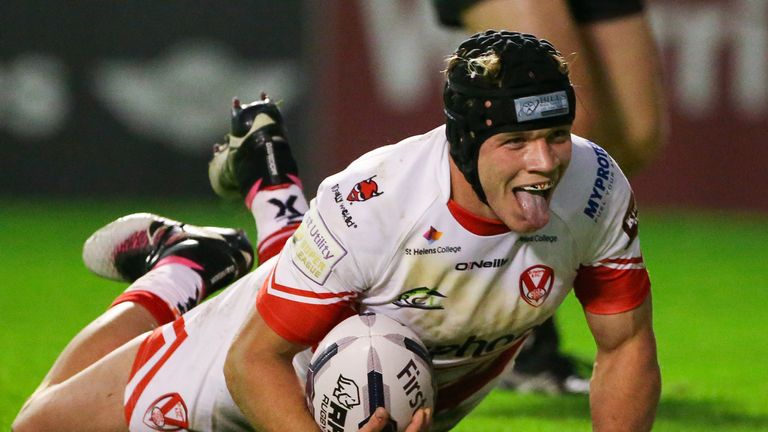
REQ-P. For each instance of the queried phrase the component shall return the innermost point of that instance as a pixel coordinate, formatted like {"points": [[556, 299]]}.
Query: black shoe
{"points": [[556, 375], [130, 246], [256, 151]]}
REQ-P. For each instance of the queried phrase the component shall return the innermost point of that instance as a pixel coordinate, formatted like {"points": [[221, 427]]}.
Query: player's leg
{"points": [[91, 400], [188, 263], [613, 66], [624, 51], [256, 164]]}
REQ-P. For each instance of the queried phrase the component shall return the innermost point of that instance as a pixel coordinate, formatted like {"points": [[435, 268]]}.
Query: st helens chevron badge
{"points": [[536, 283]]}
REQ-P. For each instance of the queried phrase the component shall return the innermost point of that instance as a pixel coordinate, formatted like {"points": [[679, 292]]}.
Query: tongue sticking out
{"points": [[535, 207]]}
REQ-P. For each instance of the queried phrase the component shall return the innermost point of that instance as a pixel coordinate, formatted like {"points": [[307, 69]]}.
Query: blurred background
{"points": [[123, 99], [108, 108]]}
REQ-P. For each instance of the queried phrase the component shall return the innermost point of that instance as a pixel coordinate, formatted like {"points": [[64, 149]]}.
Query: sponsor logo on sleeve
{"points": [[345, 214], [602, 186], [364, 190], [167, 413], [316, 251], [630, 224], [536, 283], [420, 298]]}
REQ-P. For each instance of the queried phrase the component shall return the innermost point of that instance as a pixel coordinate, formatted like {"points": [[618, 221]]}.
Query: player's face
{"points": [[519, 171]]}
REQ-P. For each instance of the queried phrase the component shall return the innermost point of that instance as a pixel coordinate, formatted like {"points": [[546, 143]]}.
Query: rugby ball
{"points": [[368, 361]]}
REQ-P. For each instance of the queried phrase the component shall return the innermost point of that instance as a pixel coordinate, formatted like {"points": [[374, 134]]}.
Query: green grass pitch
{"points": [[710, 291]]}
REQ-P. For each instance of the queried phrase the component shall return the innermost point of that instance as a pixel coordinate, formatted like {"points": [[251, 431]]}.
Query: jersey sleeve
{"points": [[314, 283], [613, 278]]}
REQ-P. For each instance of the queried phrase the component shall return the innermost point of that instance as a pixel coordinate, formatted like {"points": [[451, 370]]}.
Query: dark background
{"points": [[124, 99]]}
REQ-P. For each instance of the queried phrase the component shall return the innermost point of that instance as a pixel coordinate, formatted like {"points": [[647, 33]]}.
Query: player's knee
{"points": [[640, 151], [28, 419], [34, 415]]}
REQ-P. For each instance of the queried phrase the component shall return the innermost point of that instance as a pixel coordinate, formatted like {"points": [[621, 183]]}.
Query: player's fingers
{"points": [[377, 421], [418, 422]]}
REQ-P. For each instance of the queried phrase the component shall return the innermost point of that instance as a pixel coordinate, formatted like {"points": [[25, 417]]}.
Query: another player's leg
{"points": [[541, 367], [256, 164], [633, 126], [614, 67], [173, 266]]}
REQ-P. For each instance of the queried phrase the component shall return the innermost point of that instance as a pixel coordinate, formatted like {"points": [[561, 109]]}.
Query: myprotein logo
{"points": [[536, 283], [167, 413], [603, 184], [473, 265]]}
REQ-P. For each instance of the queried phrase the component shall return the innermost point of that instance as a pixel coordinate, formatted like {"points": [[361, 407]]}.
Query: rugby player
{"points": [[471, 234], [615, 69]]}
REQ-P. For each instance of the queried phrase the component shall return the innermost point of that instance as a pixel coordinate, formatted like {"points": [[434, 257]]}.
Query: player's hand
{"points": [[420, 421]]}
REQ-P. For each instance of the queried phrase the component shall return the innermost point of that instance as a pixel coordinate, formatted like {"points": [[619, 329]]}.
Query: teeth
{"points": [[537, 187]]}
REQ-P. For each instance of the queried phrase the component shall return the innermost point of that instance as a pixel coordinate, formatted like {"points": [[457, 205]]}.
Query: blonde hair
{"points": [[488, 65]]}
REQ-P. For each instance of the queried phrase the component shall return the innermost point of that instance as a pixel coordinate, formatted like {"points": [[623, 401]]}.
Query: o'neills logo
{"points": [[536, 283], [496, 263]]}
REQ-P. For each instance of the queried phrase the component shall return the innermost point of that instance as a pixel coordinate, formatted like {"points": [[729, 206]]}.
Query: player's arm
{"points": [[626, 382], [261, 379]]}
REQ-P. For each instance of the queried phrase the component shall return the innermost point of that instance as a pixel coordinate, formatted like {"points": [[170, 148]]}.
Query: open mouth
{"points": [[542, 189], [533, 200]]}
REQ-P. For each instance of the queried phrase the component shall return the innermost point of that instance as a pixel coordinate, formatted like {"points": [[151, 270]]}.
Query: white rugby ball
{"points": [[368, 361]]}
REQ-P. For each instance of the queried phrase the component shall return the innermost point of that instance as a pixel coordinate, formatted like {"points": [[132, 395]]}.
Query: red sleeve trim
{"points": [[297, 322], [607, 290]]}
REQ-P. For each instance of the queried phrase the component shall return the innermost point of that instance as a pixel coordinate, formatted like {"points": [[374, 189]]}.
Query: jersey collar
{"points": [[475, 224]]}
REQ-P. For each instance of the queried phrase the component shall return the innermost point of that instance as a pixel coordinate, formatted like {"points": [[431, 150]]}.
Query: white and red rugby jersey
{"points": [[383, 236]]}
